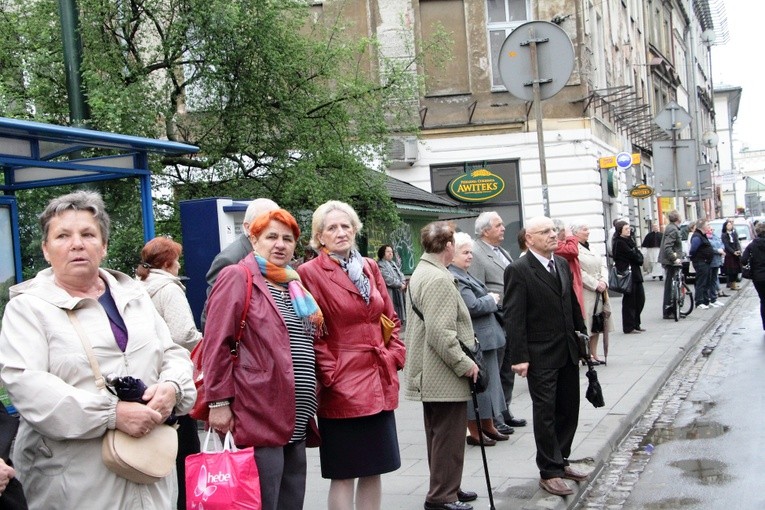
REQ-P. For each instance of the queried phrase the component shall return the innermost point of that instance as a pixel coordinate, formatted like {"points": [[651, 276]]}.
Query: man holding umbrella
{"points": [[545, 316]]}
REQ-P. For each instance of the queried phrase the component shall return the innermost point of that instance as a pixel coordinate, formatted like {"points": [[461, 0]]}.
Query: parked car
{"points": [[744, 228]]}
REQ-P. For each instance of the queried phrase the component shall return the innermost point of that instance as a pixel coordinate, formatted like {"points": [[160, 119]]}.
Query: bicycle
{"points": [[681, 298]]}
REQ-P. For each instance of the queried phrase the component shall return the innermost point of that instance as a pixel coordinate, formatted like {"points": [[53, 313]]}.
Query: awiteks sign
{"points": [[476, 186]]}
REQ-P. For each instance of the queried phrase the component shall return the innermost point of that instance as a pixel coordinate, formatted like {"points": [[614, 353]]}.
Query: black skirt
{"points": [[358, 447]]}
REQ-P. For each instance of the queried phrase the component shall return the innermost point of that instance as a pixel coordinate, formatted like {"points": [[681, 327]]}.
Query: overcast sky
{"points": [[738, 63]]}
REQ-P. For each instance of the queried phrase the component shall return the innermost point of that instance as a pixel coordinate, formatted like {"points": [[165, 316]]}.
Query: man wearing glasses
{"points": [[542, 318]]}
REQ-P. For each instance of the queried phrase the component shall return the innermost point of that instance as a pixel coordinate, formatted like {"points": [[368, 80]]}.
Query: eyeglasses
{"points": [[545, 232]]}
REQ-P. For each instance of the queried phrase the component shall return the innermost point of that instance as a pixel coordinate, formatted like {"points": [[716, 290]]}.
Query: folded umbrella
{"points": [[130, 389], [594, 391]]}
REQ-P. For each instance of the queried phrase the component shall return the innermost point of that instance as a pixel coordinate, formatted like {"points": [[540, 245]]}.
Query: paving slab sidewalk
{"points": [[638, 365]]}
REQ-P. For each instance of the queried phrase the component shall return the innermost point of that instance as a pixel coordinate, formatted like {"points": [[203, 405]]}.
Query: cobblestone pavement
{"points": [[623, 468]]}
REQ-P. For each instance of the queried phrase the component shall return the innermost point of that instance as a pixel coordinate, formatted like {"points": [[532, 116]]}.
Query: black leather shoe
{"points": [[465, 496], [516, 422], [504, 429], [457, 505]]}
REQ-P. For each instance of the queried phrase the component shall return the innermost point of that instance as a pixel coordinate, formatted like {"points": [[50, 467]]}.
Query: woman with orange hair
{"points": [[265, 392], [158, 271]]}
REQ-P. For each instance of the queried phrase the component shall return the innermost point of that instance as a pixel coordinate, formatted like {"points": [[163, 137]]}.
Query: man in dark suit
{"points": [[542, 318], [239, 249], [488, 267]]}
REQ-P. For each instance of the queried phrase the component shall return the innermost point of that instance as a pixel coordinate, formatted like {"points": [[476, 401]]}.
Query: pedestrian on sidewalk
{"points": [[714, 267], [701, 253], [357, 368], [732, 254], [489, 262], [437, 369], [670, 257], [754, 255], [627, 256], [483, 307], [595, 289], [542, 318]]}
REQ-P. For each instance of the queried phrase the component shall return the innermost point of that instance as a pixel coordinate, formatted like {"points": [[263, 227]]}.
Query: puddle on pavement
{"points": [[706, 471], [695, 430], [671, 503]]}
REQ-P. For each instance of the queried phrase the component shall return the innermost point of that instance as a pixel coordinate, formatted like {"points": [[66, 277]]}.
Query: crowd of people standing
{"points": [[310, 354]]}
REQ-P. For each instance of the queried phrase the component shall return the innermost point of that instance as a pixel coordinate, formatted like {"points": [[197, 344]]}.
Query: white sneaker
{"points": [[717, 304], [703, 307]]}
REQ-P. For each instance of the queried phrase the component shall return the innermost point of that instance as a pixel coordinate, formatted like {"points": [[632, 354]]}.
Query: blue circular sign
{"points": [[624, 160]]}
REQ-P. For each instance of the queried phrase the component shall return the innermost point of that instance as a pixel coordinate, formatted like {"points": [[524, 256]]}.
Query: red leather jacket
{"points": [[358, 374], [260, 381]]}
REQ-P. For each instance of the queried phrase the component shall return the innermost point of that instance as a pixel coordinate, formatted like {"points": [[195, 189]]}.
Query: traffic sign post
{"points": [[537, 55]]}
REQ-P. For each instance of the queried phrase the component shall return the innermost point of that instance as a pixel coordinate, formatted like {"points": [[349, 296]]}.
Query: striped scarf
{"points": [[303, 303]]}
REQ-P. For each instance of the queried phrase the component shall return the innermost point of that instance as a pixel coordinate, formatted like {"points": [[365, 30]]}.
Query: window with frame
{"points": [[502, 17]]}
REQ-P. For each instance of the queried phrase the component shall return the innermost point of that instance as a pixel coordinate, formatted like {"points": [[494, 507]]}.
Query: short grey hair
{"points": [[560, 226], [89, 201], [673, 216], [483, 221], [576, 226], [461, 239], [700, 223], [320, 215], [258, 207]]}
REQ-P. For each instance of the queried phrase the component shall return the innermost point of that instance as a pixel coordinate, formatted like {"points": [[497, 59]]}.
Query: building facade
{"points": [[631, 59]]}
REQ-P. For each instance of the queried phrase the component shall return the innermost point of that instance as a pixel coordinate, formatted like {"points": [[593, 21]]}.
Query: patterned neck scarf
{"points": [[302, 301], [354, 268]]}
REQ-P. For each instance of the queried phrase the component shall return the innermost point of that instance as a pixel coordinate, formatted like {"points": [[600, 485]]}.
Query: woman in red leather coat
{"points": [[357, 371]]}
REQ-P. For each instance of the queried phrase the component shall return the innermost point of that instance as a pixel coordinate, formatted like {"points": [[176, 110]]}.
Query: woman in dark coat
{"points": [[702, 253], [626, 254], [754, 255], [732, 262]]}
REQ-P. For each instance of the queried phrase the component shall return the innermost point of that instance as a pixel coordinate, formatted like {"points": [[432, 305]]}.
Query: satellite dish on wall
{"points": [[708, 37], [710, 139]]}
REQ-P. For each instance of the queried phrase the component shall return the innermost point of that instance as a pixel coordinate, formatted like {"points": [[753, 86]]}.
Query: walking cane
{"points": [[483, 448]]}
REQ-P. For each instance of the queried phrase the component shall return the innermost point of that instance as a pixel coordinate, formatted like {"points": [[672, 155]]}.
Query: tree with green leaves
{"points": [[282, 102]]}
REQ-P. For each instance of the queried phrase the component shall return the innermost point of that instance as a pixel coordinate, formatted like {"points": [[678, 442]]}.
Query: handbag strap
{"points": [[243, 321], [88, 350], [597, 298]]}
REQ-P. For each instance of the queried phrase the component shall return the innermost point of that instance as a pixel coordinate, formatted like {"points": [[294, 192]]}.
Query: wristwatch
{"points": [[178, 392]]}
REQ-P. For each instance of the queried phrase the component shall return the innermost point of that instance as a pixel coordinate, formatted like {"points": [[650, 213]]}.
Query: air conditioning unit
{"points": [[402, 152]]}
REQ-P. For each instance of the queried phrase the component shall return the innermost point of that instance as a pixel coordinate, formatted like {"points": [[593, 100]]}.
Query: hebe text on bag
{"points": [[222, 480]]}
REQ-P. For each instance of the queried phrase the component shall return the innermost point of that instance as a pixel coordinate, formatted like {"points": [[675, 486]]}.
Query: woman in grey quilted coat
{"points": [[437, 370]]}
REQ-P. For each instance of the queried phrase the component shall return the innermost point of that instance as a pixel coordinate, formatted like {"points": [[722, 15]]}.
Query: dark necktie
{"points": [[551, 267]]}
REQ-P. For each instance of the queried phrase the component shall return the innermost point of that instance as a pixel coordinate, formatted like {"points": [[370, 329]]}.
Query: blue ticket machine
{"points": [[208, 225]]}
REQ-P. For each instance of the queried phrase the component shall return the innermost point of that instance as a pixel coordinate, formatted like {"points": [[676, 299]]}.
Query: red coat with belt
{"points": [[357, 372], [260, 382]]}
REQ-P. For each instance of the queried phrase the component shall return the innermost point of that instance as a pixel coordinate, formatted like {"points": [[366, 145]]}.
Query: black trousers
{"points": [[632, 307], [555, 400], [188, 443], [669, 275], [760, 287]]}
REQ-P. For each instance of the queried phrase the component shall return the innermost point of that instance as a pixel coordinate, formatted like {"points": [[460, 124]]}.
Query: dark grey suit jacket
{"points": [[487, 269], [231, 254], [542, 314]]}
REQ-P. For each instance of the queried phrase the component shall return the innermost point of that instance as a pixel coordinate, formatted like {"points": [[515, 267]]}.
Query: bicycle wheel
{"points": [[676, 300], [686, 306]]}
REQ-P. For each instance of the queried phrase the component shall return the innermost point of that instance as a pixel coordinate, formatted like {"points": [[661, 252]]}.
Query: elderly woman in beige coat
{"points": [[437, 370], [43, 364], [594, 282]]}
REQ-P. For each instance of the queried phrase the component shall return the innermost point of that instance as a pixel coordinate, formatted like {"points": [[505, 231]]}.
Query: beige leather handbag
{"points": [[144, 460]]}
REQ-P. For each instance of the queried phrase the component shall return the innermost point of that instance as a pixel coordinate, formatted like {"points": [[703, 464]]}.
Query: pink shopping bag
{"points": [[222, 480]]}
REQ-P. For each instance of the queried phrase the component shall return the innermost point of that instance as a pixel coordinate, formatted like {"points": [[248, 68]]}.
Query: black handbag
{"points": [[481, 383], [598, 318], [620, 282]]}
